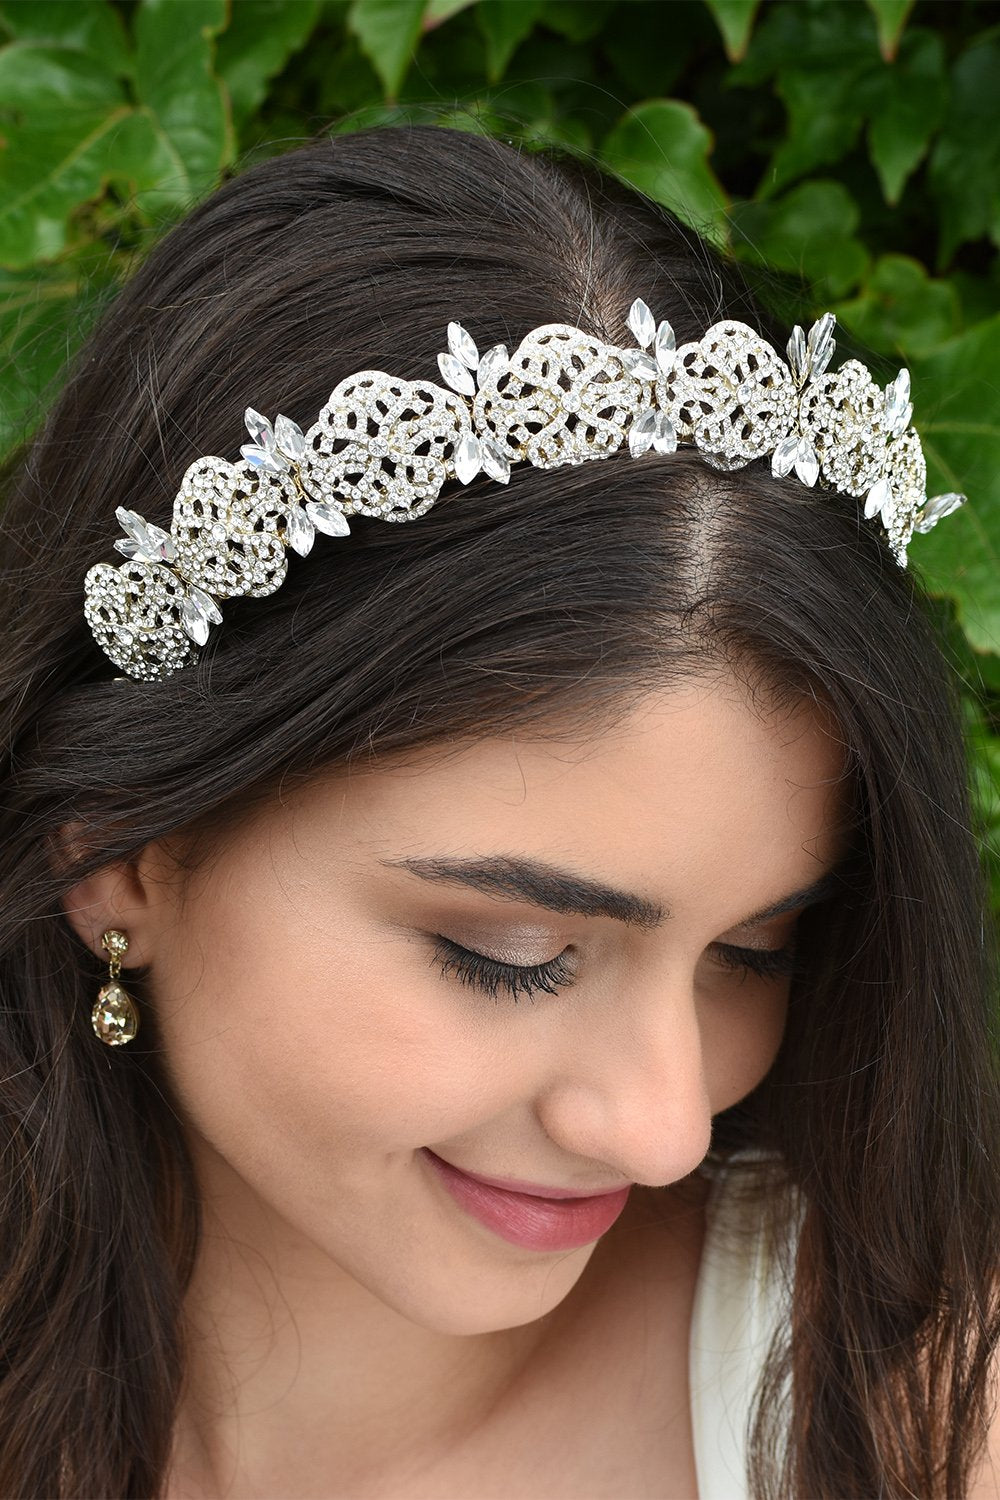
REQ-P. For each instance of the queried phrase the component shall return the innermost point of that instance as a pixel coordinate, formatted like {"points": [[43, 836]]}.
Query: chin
{"points": [[466, 1298]]}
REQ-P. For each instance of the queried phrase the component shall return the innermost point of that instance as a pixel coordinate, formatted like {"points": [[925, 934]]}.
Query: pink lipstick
{"points": [[527, 1218]]}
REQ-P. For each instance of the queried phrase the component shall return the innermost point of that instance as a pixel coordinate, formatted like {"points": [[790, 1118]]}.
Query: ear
{"points": [[123, 895]]}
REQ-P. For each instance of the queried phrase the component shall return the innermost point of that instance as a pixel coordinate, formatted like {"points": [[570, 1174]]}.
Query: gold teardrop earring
{"points": [[115, 1017]]}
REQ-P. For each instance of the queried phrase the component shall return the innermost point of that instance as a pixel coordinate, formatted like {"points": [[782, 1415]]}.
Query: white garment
{"points": [[739, 1301]]}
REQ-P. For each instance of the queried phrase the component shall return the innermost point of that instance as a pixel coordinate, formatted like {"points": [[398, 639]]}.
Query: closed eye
{"points": [[491, 975]]}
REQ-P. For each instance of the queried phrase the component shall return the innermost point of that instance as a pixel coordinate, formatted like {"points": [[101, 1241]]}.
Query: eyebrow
{"points": [[515, 877]]}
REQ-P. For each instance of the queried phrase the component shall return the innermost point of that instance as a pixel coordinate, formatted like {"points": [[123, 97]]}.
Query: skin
{"points": [[346, 1316]]}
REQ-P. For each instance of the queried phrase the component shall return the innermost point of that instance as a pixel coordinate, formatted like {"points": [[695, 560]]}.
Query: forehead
{"points": [[699, 788]]}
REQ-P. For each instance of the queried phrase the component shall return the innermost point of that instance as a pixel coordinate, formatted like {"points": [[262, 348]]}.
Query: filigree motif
{"points": [[383, 447], [135, 614], [561, 398], [229, 526]]}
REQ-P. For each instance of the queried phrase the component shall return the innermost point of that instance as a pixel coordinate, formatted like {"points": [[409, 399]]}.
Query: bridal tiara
{"points": [[384, 447]]}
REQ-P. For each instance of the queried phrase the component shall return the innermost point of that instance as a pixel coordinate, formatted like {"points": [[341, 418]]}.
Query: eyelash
{"points": [[490, 975]]}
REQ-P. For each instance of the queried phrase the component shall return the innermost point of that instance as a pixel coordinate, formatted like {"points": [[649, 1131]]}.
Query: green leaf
{"points": [[734, 19], [577, 20], [662, 148], [54, 153], [504, 24], [185, 104], [260, 38], [47, 80], [890, 18], [90, 26], [964, 168], [443, 10], [958, 419], [388, 31], [901, 310], [810, 232], [912, 105], [984, 757], [828, 73], [44, 315]]}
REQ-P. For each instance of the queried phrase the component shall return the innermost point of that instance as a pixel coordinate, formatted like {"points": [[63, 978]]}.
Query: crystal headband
{"points": [[384, 447]]}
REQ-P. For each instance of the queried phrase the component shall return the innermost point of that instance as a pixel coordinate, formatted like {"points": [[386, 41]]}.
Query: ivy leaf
{"points": [[902, 311], [911, 107], [57, 148], [734, 19], [577, 20], [388, 31], [890, 18], [505, 24], [45, 313], [90, 26], [957, 417], [443, 10], [662, 148], [810, 232], [184, 104], [964, 168], [260, 38], [823, 58]]}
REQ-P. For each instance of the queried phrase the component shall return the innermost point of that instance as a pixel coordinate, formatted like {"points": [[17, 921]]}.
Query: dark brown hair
{"points": [[568, 593]]}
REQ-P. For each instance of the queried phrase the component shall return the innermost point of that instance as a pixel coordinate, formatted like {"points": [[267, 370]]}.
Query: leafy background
{"points": [[847, 151]]}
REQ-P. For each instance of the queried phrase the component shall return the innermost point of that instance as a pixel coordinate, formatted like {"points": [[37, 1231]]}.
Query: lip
{"points": [[534, 1218]]}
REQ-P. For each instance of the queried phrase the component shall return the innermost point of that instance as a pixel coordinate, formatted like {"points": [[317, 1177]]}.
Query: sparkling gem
{"points": [[796, 350], [327, 518], [665, 440], [268, 459], [784, 456], [745, 392], [114, 943], [639, 364], [642, 323], [820, 346], [289, 437], [205, 603], [300, 531], [664, 345], [495, 461], [642, 433], [468, 458], [462, 346], [114, 1017], [492, 362], [194, 621], [456, 375], [259, 428], [147, 543], [937, 508], [898, 407], [878, 497], [807, 462]]}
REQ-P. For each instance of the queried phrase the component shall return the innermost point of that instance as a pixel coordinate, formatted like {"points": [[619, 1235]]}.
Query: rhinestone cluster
{"points": [[385, 447]]}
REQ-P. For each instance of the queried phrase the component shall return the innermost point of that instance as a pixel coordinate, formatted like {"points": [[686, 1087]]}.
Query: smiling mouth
{"points": [[528, 1219], [531, 1189]]}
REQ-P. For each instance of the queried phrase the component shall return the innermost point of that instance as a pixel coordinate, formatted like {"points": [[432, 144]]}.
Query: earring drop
{"points": [[114, 1017]]}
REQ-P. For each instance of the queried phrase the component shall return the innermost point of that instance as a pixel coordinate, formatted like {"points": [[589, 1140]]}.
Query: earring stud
{"points": [[115, 1018]]}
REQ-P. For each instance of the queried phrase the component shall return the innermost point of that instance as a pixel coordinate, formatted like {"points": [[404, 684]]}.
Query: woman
{"points": [[541, 949]]}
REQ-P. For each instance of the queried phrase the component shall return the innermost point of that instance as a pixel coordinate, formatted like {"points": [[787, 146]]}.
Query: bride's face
{"points": [[634, 897]]}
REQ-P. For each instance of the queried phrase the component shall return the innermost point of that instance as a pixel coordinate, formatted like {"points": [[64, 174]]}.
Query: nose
{"points": [[628, 1087]]}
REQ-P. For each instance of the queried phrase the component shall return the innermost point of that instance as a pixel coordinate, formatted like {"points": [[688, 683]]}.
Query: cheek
{"points": [[285, 1056], [741, 1041]]}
